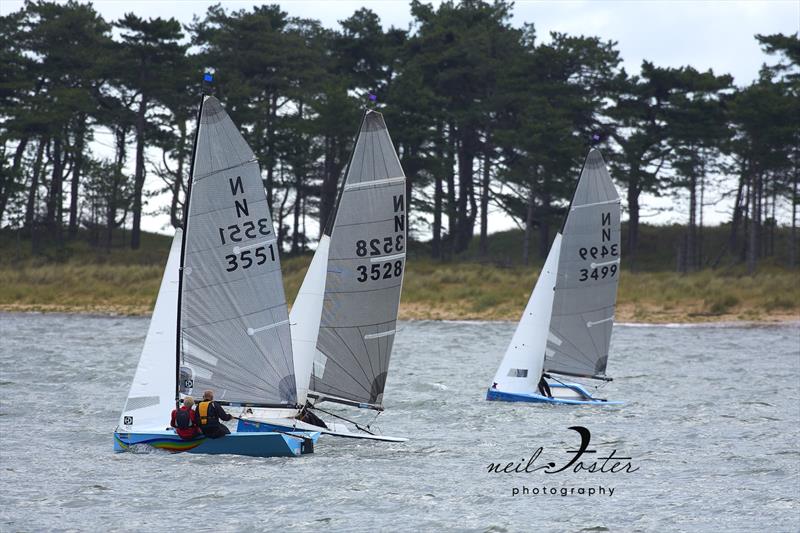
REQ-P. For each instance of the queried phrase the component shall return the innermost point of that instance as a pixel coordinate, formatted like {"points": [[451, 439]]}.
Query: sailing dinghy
{"points": [[566, 327], [345, 315], [221, 319]]}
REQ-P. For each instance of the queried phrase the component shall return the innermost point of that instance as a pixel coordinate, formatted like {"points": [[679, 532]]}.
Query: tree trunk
{"points": [[737, 214], [138, 184], [526, 244], [793, 235], [7, 184], [752, 245], [330, 183], [633, 221], [270, 159], [296, 216], [483, 248], [544, 224], [689, 260], [452, 218], [30, 207], [177, 186], [466, 198], [436, 242], [77, 158], [112, 199], [53, 219]]}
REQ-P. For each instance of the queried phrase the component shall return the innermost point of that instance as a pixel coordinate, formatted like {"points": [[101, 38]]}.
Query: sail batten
{"points": [[234, 322], [366, 263]]}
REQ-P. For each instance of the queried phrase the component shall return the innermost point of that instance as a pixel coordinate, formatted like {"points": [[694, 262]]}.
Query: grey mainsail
{"points": [[588, 274], [365, 274], [234, 323]]}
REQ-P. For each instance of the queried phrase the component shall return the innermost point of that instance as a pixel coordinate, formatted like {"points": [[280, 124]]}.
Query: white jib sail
{"points": [[521, 367], [305, 317], [152, 395]]}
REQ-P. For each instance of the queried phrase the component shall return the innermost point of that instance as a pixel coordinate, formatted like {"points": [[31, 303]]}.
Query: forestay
{"points": [[234, 322], [366, 263], [152, 394], [588, 274]]}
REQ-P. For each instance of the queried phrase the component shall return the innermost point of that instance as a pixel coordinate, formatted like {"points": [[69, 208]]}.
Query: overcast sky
{"points": [[705, 34]]}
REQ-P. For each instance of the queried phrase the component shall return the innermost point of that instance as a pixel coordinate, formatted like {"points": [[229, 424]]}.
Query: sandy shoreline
{"points": [[626, 314]]}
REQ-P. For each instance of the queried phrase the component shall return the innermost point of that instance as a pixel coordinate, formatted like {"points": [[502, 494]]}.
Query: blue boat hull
{"points": [[254, 444], [495, 395]]}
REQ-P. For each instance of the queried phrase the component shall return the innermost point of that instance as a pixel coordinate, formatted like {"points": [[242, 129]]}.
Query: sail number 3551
{"points": [[247, 258]]}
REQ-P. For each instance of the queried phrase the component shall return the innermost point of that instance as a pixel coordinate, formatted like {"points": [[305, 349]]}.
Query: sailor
{"points": [[544, 388], [310, 418], [184, 420], [209, 414]]}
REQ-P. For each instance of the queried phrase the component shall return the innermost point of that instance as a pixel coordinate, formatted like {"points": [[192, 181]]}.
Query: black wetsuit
{"points": [[310, 418], [210, 424], [544, 388]]}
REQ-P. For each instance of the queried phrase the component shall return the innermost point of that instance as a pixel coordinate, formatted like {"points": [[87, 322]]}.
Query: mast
{"points": [[206, 78]]}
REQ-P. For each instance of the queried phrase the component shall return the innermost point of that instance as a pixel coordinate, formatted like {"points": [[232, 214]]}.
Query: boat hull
{"points": [[566, 394], [254, 444]]}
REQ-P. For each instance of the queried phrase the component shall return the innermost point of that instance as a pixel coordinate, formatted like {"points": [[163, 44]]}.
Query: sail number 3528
{"points": [[380, 271]]}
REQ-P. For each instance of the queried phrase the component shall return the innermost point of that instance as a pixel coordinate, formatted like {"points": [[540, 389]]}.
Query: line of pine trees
{"points": [[485, 116]]}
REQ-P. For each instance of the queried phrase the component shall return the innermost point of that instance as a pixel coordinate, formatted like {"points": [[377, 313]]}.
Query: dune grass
{"points": [[80, 278]]}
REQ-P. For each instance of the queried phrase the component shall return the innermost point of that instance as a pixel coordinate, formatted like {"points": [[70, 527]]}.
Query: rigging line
{"points": [[365, 222], [564, 339], [232, 167], [377, 414], [352, 353], [356, 424], [344, 370]]}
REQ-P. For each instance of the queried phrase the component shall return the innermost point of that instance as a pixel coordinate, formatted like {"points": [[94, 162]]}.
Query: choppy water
{"points": [[712, 423]]}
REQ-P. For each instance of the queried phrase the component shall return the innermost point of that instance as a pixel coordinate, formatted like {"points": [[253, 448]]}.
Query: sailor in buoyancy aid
{"points": [[184, 420], [209, 414]]}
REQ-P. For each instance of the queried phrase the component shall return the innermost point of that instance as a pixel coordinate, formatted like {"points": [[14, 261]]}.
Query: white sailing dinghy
{"points": [[221, 320], [345, 315], [566, 327]]}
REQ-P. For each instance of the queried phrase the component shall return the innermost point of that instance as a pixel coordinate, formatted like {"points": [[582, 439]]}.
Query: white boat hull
{"points": [[337, 430]]}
